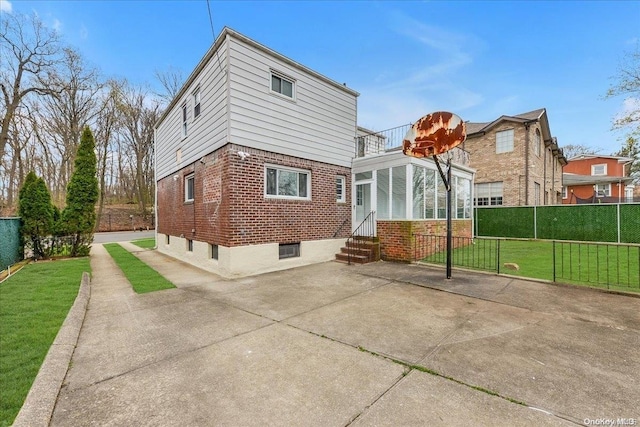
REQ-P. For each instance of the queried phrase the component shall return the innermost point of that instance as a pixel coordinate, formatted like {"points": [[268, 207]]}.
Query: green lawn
{"points": [[142, 277], [33, 305], [148, 243], [604, 266]]}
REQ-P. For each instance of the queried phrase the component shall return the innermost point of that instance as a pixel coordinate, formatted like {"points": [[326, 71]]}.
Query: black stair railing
{"points": [[364, 233]]}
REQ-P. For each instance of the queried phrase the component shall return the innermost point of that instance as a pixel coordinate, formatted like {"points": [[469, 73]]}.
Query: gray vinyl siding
{"points": [[318, 125], [208, 131]]}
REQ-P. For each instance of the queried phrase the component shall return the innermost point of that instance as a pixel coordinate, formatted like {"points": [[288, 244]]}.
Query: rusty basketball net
{"points": [[432, 136]]}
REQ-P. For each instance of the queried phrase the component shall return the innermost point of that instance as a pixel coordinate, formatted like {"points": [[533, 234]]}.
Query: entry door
{"points": [[363, 203]]}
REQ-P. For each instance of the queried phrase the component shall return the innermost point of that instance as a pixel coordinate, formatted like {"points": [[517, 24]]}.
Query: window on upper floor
{"points": [[603, 190], [504, 141], [282, 85], [599, 169], [488, 194], [340, 189], [287, 183], [196, 103], [184, 119], [189, 188], [537, 142]]}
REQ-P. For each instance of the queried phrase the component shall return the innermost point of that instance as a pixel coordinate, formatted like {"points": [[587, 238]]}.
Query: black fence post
{"points": [[498, 255], [554, 260]]}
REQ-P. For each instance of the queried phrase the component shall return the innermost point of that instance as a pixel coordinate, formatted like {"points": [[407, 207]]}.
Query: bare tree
{"points": [[574, 150], [171, 80], [139, 115], [628, 85], [107, 126], [29, 51]]}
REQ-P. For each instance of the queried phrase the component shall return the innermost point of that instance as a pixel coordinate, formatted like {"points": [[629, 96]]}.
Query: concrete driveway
{"points": [[382, 344]]}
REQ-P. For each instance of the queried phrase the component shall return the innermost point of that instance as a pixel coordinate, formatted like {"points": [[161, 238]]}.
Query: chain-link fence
{"points": [[10, 242]]}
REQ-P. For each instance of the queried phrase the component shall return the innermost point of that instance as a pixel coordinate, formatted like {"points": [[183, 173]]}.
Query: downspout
{"points": [[155, 179], [544, 178], [526, 163]]}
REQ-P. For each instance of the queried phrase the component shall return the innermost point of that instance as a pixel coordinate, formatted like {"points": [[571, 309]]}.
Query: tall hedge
{"points": [[36, 211], [79, 215]]}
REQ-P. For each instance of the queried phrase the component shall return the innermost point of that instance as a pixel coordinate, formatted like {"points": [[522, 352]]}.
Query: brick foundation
{"points": [[397, 241]]}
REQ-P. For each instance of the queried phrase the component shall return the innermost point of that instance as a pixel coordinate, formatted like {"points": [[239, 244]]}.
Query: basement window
{"points": [[289, 250], [213, 251], [189, 245]]}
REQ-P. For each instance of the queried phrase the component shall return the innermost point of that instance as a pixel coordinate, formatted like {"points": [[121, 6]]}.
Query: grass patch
{"points": [[142, 277], [603, 266], [33, 305], [147, 243]]}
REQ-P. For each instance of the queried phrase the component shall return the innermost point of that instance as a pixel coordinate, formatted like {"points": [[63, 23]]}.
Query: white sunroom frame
{"points": [[392, 159]]}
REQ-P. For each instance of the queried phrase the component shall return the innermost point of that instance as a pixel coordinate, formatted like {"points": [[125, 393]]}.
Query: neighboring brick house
{"points": [[517, 161], [597, 179], [253, 162]]}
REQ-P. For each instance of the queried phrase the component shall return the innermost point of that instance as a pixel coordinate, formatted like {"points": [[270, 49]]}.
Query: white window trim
{"points": [[565, 192], [607, 190], [187, 178], [184, 118], [604, 173], [283, 76], [512, 141], [288, 169], [343, 184], [197, 102]]}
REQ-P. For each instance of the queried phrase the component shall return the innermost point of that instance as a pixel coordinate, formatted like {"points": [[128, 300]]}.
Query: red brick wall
{"points": [[230, 208], [398, 243], [583, 166]]}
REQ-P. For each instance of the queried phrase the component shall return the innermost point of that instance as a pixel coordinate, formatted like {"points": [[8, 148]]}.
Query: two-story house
{"points": [[256, 159], [597, 179], [253, 162], [517, 161]]}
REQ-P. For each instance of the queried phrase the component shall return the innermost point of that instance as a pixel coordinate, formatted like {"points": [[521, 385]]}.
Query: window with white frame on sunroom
{"points": [[282, 85], [287, 183]]}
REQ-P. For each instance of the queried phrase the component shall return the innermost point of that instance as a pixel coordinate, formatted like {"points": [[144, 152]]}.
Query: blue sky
{"points": [[478, 59]]}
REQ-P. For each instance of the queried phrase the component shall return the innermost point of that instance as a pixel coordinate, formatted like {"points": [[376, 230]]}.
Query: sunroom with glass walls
{"points": [[409, 196]]}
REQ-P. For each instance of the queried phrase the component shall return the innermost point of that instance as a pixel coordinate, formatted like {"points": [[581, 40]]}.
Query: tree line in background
{"points": [[49, 94]]}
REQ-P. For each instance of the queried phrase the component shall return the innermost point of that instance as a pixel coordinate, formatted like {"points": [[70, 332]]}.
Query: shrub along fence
{"points": [[618, 223], [10, 242]]}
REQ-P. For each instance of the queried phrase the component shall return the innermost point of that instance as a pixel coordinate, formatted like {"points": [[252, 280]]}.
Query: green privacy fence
{"points": [[618, 223], [10, 244]]}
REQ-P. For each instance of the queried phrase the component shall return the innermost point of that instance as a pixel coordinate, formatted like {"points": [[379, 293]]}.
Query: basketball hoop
{"points": [[437, 135]]}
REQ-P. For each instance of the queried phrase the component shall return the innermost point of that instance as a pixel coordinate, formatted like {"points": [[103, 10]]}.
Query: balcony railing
{"points": [[381, 141]]}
